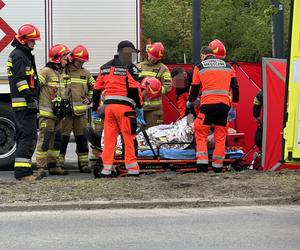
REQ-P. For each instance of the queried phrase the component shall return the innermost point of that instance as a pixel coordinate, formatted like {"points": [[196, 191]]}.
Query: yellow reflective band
{"points": [[157, 102], [29, 72], [78, 80], [19, 104], [80, 107], [47, 114], [148, 73], [42, 79], [21, 88], [23, 164], [9, 64]]}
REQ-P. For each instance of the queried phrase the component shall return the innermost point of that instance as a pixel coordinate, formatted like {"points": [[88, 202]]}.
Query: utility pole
{"points": [[278, 30], [196, 31]]}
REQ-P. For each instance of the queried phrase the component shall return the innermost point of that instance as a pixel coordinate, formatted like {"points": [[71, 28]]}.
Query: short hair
{"points": [[205, 50]]}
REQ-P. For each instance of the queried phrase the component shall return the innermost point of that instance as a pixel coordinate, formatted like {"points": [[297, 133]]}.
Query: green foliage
{"points": [[244, 26]]}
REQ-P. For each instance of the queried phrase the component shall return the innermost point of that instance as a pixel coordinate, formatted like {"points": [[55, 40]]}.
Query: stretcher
{"points": [[160, 159]]}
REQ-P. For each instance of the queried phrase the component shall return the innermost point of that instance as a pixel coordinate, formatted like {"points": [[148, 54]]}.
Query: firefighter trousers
{"points": [[119, 118], [211, 115], [49, 142], [77, 125], [26, 138]]}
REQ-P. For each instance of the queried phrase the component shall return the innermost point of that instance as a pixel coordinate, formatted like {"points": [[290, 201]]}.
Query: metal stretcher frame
{"points": [[156, 164]]}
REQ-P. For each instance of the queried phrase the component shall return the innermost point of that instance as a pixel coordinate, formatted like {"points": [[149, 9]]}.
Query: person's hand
{"points": [[232, 114]]}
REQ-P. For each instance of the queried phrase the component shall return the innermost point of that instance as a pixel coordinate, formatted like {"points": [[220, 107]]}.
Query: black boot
{"points": [[217, 170], [202, 168]]}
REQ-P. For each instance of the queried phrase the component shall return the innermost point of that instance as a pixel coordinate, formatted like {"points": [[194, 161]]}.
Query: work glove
{"points": [[232, 114], [140, 116]]}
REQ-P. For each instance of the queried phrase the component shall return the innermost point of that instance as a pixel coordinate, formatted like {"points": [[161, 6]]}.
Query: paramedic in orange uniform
{"points": [[123, 103], [219, 92]]}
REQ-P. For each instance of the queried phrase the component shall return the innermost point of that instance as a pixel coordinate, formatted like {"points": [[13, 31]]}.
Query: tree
{"points": [[243, 25]]}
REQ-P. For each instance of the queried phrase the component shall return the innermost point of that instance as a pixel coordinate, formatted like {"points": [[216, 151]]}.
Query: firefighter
{"points": [[214, 78], [53, 107], [80, 94], [122, 96], [182, 80], [257, 108], [153, 67], [24, 88]]}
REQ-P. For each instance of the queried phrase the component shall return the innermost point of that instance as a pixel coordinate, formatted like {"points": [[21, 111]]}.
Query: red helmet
{"points": [[152, 86], [80, 53], [156, 51], [218, 48], [28, 32], [56, 52]]}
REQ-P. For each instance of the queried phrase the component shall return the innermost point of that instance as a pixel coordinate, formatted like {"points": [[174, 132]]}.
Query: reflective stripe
{"points": [[218, 158], [46, 111], [21, 83], [18, 102], [134, 164], [29, 72], [9, 64], [215, 69], [202, 162], [78, 106], [106, 169], [22, 165], [53, 153], [42, 79], [41, 154], [202, 154], [23, 87], [78, 80], [23, 160], [215, 92], [148, 73], [119, 98], [217, 165], [157, 102]]}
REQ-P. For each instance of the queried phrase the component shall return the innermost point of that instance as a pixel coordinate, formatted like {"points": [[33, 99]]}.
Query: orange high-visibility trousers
{"points": [[119, 118], [201, 130]]}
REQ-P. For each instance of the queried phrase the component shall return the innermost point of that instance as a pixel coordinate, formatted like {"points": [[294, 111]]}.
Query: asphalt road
{"points": [[210, 228]]}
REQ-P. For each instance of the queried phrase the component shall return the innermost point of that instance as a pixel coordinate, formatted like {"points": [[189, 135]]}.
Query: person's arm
{"points": [[98, 87], [195, 86], [20, 79], [166, 81]]}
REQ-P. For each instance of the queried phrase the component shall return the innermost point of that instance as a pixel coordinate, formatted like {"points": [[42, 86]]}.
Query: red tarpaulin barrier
{"points": [[274, 73]]}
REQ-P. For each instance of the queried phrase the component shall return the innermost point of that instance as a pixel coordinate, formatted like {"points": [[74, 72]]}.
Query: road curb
{"points": [[139, 204]]}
